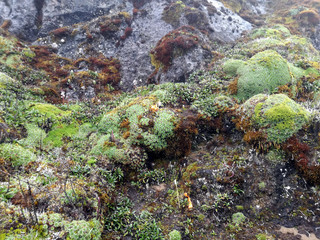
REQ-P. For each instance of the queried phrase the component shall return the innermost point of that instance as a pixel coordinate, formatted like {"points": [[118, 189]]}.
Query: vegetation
{"points": [[229, 153]]}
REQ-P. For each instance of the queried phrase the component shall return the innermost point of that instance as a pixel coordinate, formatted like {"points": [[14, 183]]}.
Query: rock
{"points": [[131, 38], [31, 19], [275, 117]]}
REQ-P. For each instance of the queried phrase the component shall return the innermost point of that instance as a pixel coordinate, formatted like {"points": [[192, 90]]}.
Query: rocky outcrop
{"points": [[33, 18], [130, 34]]}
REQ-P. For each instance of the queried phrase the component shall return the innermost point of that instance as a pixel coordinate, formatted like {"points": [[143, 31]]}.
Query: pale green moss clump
{"points": [[231, 66], [56, 135], [4, 80], [277, 31], [238, 218], [84, 230], [16, 154], [47, 110], [262, 74], [213, 105], [174, 235], [277, 116], [132, 129]]}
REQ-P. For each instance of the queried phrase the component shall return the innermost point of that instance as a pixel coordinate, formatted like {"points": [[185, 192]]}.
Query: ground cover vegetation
{"points": [[230, 153]]}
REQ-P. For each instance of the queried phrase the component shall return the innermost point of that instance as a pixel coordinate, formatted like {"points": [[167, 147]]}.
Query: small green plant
{"points": [[238, 218], [145, 227], [84, 230], [174, 235], [7, 193]]}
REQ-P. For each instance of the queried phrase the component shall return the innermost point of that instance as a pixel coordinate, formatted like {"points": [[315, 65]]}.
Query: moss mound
{"points": [[277, 116], [262, 74], [16, 154], [133, 129]]}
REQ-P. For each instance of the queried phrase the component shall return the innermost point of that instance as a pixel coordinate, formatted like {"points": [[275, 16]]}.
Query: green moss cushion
{"points": [[278, 116], [262, 74]]}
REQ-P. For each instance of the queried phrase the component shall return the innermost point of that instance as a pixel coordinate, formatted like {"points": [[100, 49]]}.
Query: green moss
{"points": [[174, 235], [262, 44], [238, 218], [55, 137], [84, 230], [296, 72], [212, 105], [46, 110], [231, 66], [277, 116], [173, 13], [5, 80], [262, 73], [164, 124], [277, 31], [16, 154], [110, 122]]}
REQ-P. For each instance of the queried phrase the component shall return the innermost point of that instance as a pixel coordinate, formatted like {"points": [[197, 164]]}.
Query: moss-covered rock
{"points": [[262, 74], [134, 128], [4, 80], [16, 154], [277, 116], [231, 66], [277, 31]]}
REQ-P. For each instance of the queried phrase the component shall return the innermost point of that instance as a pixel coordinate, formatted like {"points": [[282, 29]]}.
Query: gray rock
{"points": [[148, 27], [35, 18], [23, 15]]}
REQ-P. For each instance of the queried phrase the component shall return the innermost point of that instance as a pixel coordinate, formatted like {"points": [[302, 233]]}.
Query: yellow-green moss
{"points": [[280, 117], [4, 80], [16, 154], [55, 137], [48, 110], [262, 74]]}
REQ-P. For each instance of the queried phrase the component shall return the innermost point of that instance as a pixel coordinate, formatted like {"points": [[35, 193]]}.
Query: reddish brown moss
{"points": [[301, 154], [61, 32], [233, 87], [110, 26], [183, 38], [127, 33], [310, 16], [6, 24]]}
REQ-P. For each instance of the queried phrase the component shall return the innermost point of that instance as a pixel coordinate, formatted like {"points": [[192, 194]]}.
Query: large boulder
{"points": [[128, 34], [274, 118], [31, 19]]}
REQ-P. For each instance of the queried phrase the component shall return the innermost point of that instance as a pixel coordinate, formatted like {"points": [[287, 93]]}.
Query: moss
{"points": [[262, 73], [55, 136], [213, 105], [84, 230], [47, 111], [16, 154], [176, 41], [231, 66], [173, 13], [5, 80], [277, 32], [277, 116], [164, 124], [174, 235], [238, 218], [109, 123]]}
